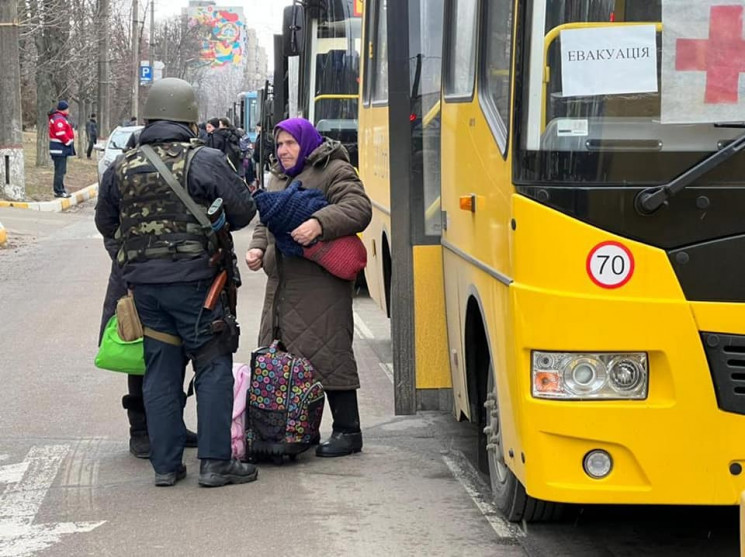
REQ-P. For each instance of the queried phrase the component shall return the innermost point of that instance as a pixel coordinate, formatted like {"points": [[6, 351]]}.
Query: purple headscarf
{"points": [[307, 137]]}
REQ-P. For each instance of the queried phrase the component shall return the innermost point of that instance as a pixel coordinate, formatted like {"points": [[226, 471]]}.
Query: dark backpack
{"points": [[233, 148]]}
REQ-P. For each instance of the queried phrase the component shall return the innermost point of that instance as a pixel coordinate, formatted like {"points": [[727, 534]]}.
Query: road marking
{"points": [[468, 477], [13, 473], [388, 370], [362, 330], [27, 484]]}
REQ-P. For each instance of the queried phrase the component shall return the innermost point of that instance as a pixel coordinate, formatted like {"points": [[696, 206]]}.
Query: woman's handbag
{"points": [[130, 326], [116, 354], [343, 257]]}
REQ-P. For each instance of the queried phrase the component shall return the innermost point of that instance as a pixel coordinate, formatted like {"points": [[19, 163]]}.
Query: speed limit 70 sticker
{"points": [[610, 265]]}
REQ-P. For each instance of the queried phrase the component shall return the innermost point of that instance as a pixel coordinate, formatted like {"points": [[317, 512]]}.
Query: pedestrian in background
{"points": [[263, 150], [223, 137], [91, 130], [314, 311], [202, 134], [61, 145], [247, 166], [211, 125], [165, 254]]}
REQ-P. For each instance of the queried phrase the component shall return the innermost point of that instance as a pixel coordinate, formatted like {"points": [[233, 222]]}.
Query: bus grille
{"points": [[726, 356]]}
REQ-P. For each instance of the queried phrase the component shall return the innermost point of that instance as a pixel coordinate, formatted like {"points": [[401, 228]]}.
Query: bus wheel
{"points": [[508, 493]]}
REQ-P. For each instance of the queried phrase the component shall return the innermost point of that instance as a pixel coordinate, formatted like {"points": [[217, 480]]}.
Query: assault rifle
{"points": [[228, 279]]}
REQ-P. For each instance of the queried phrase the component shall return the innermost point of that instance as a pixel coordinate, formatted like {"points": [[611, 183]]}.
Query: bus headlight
{"points": [[577, 376]]}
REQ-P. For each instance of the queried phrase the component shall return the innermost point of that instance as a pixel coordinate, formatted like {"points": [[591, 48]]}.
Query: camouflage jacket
{"points": [[154, 223], [210, 177]]}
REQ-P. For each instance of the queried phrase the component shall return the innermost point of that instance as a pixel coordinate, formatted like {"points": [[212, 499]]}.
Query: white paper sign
{"points": [[703, 61], [609, 60]]}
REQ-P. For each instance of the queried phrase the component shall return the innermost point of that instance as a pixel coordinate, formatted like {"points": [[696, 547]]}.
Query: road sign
{"points": [[610, 265], [146, 72], [158, 68]]}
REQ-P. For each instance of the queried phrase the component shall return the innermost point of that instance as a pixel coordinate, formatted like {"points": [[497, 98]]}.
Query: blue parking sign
{"points": [[146, 73]]}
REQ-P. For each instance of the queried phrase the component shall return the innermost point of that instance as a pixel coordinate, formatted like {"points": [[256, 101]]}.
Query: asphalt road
{"points": [[68, 486]]}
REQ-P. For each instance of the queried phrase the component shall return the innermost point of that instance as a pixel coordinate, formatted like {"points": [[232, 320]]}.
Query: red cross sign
{"points": [[721, 56], [702, 79]]}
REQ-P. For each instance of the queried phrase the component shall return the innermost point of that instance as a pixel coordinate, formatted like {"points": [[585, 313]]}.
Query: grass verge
{"points": [[80, 172]]}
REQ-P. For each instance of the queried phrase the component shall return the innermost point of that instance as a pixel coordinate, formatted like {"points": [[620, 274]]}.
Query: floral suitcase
{"points": [[284, 405]]}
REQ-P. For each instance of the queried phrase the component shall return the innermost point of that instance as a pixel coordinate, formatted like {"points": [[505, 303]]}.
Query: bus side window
{"points": [[461, 41], [497, 61], [380, 64], [367, 52]]}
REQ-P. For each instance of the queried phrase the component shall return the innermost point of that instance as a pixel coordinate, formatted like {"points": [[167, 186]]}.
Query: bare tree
{"points": [[103, 103], [81, 50], [48, 23], [11, 139]]}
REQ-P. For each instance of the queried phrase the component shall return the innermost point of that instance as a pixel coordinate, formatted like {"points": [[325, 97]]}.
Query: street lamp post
{"points": [[152, 40], [135, 60]]}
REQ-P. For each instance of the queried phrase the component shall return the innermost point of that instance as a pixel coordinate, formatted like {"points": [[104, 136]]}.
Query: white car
{"points": [[114, 146]]}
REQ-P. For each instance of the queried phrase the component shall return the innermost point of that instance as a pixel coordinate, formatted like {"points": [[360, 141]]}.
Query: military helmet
{"points": [[171, 99]]}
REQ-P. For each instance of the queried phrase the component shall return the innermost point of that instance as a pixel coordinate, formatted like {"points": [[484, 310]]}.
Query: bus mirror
{"points": [[293, 34]]}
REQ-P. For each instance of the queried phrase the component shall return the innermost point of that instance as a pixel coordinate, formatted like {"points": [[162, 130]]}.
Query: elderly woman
{"points": [[314, 309]]}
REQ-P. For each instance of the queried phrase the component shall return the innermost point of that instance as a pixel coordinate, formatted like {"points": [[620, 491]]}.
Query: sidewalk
{"points": [[56, 205]]}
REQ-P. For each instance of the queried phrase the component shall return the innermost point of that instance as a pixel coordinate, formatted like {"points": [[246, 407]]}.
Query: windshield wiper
{"points": [[651, 199]]}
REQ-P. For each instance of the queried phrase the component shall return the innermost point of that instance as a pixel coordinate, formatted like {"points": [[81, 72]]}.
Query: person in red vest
{"points": [[61, 145]]}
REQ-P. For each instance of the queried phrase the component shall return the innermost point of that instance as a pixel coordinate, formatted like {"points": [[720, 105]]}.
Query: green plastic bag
{"points": [[114, 354]]}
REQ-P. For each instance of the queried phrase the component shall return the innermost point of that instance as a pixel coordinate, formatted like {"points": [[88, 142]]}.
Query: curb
{"points": [[57, 205]]}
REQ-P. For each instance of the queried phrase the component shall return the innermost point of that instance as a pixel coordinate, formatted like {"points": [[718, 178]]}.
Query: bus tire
{"points": [[508, 493]]}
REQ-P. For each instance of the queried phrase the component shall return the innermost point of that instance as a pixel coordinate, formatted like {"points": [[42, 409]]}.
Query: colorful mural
{"points": [[222, 32]]}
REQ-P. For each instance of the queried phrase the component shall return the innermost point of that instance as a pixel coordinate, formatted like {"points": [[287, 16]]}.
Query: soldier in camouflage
{"points": [[166, 257]]}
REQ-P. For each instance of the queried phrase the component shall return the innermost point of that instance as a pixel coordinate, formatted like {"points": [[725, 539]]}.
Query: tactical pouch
{"points": [[129, 326], [225, 336], [231, 334]]}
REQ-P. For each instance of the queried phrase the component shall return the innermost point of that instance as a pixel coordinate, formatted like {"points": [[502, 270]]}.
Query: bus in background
{"points": [[249, 113], [322, 39], [424, 127], [586, 256]]}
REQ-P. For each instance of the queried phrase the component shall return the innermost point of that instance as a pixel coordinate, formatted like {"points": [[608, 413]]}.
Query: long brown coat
{"points": [[315, 307]]}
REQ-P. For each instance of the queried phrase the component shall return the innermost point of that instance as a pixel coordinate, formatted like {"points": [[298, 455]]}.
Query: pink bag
{"points": [[241, 383], [343, 257]]}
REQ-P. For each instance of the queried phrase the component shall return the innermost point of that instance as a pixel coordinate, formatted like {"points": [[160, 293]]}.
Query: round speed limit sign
{"points": [[610, 265]]}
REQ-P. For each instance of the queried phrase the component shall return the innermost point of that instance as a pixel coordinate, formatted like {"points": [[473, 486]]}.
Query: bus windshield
{"points": [[335, 70], [610, 99]]}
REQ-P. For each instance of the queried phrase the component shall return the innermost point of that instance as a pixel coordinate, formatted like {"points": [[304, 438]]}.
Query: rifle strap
{"points": [[178, 189]]}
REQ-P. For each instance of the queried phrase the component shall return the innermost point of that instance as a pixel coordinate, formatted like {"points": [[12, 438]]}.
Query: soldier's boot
{"points": [[139, 442]]}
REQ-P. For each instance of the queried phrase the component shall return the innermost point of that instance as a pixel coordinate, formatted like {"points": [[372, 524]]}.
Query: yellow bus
{"points": [[558, 240], [321, 45]]}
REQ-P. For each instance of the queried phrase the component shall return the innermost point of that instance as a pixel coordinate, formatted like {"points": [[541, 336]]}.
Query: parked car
{"points": [[112, 147]]}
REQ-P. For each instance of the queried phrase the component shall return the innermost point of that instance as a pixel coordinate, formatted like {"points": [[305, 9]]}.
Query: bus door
{"points": [[476, 191]]}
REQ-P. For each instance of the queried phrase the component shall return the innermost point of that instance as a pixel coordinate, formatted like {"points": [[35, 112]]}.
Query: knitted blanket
{"points": [[283, 211]]}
